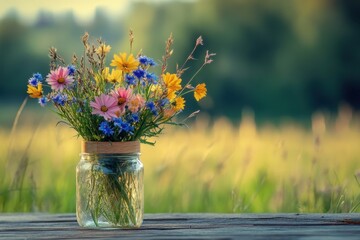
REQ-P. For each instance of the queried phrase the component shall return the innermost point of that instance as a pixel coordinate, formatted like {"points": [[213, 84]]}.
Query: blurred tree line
{"points": [[277, 57]]}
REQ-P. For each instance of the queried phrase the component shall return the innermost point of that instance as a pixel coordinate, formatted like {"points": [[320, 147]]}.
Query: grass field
{"points": [[215, 167]]}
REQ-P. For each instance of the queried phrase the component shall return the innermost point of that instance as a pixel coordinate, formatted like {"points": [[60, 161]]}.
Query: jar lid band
{"points": [[110, 147]]}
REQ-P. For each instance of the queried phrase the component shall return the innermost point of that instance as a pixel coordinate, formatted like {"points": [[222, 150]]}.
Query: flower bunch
{"points": [[124, 101]]}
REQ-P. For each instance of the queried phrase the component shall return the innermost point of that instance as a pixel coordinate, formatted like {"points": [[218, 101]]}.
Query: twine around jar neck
{"points": [[93, 147]]}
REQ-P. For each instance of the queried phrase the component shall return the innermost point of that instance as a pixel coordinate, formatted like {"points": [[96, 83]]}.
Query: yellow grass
{"points": [[205, 168]]}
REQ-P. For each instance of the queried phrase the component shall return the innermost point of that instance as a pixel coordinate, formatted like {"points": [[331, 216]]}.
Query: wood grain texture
{"points": [[188, 226]]}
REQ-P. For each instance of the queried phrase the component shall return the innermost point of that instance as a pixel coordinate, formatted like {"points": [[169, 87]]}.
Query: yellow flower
{"points": [[35, 92], [171, 95], [114, 76], [156, 90], [200, 91], [172, 83], [125, 64], [103, 76], [105, 73], [103, 49], [179, 103]]}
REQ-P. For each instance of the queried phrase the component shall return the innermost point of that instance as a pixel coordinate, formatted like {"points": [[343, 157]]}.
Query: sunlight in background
{"points": [[83, 9]]}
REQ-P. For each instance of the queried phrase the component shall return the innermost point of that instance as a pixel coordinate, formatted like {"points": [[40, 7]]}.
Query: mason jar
{"points": [[109, 185]]}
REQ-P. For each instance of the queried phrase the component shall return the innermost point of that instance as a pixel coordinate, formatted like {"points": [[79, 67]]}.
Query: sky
{"points": [[83, 9]]}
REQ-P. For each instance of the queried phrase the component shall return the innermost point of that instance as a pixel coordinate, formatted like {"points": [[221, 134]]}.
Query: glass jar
{"points": [[110, 187]]}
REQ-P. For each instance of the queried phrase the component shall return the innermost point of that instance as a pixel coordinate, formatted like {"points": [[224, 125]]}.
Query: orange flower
{"points": [[200, 91], [136, 103], [168, 113]]}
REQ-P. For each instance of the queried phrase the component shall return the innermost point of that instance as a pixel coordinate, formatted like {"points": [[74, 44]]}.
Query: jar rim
{"points": [[94, 147]]}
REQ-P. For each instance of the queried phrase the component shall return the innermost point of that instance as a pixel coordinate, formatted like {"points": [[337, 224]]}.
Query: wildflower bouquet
{"points": [[123, 102]]}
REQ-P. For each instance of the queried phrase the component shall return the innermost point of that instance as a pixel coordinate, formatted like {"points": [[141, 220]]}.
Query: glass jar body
{"points": [[110, 190]]}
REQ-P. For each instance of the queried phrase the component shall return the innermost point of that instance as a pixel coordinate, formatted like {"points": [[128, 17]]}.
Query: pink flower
{"points": [[123, 96], [106, 106], [59, 79], [199, 41], [136, 103]]}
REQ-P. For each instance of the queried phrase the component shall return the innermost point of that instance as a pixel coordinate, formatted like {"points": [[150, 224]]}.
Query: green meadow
{"points": [[209, 166]]}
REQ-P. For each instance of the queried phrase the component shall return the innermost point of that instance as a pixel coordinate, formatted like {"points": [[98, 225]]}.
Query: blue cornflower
{"points": [[139, 73], [43, 101], [143, 60], [151, 106], [151, 63], [118, 122], [146, 61], [132, 118], [152, 78], [135, 117], [128, 128], [38, 76], [163, 102], [123, 126], [130, 79], [33, 81], [106, 129], [71, 69], [60, 99]]}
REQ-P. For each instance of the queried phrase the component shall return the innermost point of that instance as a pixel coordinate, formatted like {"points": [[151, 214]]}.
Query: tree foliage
{"points": [[279, 58]]}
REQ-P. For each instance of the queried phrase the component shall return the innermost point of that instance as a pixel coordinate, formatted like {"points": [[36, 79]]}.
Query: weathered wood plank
{"points": [[189, 226]]}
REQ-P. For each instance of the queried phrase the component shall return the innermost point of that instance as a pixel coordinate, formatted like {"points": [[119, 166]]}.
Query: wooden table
{"points": [[188, 226]]}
